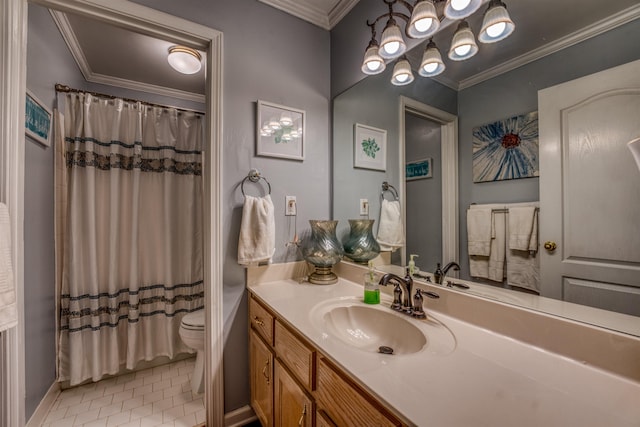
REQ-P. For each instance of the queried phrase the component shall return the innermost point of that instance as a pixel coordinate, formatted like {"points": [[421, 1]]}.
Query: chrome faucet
{"points": [[406, 285]]}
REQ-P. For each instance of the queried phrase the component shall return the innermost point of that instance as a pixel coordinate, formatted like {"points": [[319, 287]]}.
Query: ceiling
{"points": [[114, 56]]}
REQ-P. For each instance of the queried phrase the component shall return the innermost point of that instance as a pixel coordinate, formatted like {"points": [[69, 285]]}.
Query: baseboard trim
{"points": [[41, 412], [239, 417]]}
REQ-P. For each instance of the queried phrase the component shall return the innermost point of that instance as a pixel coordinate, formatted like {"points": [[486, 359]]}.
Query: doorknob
{"points": [[550, 246]]}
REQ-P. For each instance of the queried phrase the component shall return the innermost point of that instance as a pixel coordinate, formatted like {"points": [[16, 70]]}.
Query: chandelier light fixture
{"points": [[422, 21]]}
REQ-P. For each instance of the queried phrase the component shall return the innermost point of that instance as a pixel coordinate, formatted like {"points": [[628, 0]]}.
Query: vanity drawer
{"points": [[296, 354], [345, 403], [261, 320]]}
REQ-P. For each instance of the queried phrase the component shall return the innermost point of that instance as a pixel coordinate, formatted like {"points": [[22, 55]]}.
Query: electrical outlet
{"points": [[290, 208], [364, 207]]}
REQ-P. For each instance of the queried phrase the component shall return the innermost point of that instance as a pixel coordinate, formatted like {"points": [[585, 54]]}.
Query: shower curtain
{"points": [[129, 233]]}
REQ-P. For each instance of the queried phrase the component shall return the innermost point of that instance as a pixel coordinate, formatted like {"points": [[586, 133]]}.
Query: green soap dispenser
{"points": [[371, 286], [412, 265]]}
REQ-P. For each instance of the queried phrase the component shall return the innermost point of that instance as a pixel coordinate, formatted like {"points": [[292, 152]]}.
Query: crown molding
{"points": [[317, 16], [303, 11], [576, 37], [340, 10], [72, 42]]}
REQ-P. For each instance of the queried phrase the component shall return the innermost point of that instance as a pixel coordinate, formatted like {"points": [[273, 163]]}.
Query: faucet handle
{"points": [[418, 310], [397, 297]]}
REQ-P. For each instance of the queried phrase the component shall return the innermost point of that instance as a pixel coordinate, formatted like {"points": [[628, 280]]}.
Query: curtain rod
{"points": [[67, 89]]}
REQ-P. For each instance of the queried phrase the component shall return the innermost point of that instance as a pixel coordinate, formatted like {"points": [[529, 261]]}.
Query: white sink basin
{"points": [[377, 328]]}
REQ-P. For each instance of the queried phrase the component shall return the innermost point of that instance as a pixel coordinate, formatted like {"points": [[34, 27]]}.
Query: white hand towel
{"points": [[479, 231], [498, 246], [257, 239], [521, 221], [523, 266], [8, 308], [390, 228], [491, 267]]}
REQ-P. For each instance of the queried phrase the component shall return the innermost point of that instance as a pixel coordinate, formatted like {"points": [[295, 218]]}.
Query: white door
{"points": [[590, 190]]}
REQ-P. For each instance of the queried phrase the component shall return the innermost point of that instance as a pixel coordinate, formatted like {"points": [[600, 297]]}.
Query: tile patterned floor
{"points": [[153, 397]]}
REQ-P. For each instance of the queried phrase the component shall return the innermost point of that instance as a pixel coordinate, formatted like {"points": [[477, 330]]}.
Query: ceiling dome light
{"points": [[431, 64], [184, 59], [392, 44], [459, 9], [373, 63], [402, 74], [463, 45], [496, 24], [424, 20]]}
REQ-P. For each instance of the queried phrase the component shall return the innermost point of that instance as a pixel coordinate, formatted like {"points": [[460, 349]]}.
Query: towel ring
{"points": [[390, 188], [254, 176]]}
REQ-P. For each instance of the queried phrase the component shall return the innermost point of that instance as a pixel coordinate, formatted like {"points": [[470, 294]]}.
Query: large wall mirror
{"points": [[375, 102]]}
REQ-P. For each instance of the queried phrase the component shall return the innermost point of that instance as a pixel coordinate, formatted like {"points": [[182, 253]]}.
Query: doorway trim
{"points": [[13, 19], [449, 152]]}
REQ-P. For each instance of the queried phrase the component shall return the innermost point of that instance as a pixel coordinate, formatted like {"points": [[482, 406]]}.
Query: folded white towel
{"points": [[390, 228], [523, 266], [498, 247], [492, 267], [479, 231], [257, 239], [521, 227], [8, 308]]}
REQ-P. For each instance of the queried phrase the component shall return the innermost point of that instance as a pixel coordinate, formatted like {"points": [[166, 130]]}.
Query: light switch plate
{"points": [[290, 208], [364, 207]]}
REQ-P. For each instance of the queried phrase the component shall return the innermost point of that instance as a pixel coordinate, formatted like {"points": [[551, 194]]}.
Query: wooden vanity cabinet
{"points": [[303, 388], [292, 405], [261, 379]]}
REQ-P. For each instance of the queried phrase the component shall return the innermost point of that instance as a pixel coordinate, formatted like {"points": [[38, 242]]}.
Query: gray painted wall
{"points": [[293, 58], [373, 102], [424, 196]]}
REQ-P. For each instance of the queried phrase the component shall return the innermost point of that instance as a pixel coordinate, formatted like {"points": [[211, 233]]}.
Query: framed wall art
{"points": [[369, 147], [280, 131], [38, 120], [418, 169], [506, 149]]}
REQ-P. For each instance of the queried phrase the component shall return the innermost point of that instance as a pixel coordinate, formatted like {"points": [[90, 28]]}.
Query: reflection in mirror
{"points": [[374, 101]]}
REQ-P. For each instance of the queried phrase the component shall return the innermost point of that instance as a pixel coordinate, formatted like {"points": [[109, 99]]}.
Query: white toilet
{"points": [[192, 333]]}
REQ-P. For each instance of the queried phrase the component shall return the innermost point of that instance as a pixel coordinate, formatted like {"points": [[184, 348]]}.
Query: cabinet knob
{"points": [[258, 321], [550, 246]]}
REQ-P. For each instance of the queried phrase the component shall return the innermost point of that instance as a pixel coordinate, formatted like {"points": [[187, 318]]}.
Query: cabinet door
{"points": [[261, 367], [292, 405], [345, 404]]}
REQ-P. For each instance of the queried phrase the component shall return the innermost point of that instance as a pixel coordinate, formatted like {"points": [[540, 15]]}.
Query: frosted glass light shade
{"points": [[459, 9], [184, 60], [431, 64], [402, 74], [463, 45], [392, 44], [496, 24], [373, 63], [424, 20]]}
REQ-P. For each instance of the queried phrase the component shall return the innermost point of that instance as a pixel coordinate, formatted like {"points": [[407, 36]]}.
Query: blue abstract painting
{"points": [[506, 149]]}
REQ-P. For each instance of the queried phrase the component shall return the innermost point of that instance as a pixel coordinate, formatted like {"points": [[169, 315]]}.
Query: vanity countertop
{"points": [[487, 380]]}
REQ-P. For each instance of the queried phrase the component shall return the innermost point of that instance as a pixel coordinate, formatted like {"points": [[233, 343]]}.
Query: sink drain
{"points": [[385, 350]]}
